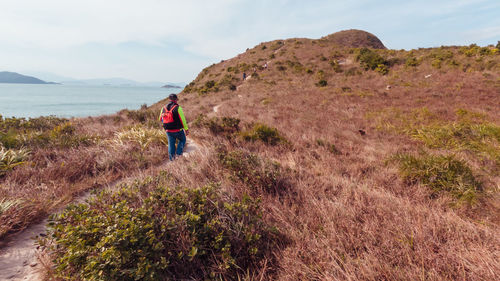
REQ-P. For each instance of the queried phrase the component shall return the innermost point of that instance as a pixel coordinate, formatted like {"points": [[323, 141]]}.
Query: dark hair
{"points": [[172, 97]]}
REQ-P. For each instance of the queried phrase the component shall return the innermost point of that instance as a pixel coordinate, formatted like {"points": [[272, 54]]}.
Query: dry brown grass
{"points": [[347, 214], [54, 176], [353, 217]]}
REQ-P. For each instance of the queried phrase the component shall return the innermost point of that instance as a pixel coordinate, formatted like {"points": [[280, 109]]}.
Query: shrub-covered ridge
{"points": [[147, 231]]}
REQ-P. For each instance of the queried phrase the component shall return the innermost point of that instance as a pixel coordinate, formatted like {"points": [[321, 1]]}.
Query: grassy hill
{"points": [[333, 160]]}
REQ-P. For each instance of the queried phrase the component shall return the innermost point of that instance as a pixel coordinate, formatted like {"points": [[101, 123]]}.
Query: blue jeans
{"points": [[171, 143]]}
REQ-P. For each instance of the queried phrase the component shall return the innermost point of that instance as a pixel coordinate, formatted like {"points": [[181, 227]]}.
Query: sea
{"points": [[35, 100]]}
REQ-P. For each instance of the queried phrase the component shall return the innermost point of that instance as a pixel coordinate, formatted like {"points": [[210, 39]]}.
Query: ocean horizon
{"points": [[35, 100]]}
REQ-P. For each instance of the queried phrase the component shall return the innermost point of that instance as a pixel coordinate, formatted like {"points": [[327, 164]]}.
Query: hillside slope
{"points": [[395, 154], [329, 162]]}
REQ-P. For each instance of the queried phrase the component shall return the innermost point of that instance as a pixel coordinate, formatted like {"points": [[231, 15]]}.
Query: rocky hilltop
{"points": [[355, 38]]}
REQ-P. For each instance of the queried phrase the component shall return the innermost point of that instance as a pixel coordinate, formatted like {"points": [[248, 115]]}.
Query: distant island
{"points": [[168, 86], [13, 77]]}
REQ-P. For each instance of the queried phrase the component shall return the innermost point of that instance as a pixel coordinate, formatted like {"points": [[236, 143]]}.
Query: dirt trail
{"points": [[216, 108], [18, 258]]}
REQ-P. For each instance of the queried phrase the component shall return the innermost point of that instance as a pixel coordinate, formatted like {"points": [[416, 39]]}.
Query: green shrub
{"points": [[295, 65], [224, 125], [346, 89], [258, 174], [281, 68], [322, 83], [9, 139], [40, 132], [436, 63], [190, 88], [442, 54], [147, 231], [40, 123], [412, 62], [142, 115], [244, 67], [370, 59], [210, 84], [382, 69], [441, 174], [320, 74], [264, 133], [276, 45], [336, 66]]}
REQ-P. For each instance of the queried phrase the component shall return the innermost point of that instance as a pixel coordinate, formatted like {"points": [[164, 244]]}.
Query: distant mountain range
{"points": [[13, 77]]}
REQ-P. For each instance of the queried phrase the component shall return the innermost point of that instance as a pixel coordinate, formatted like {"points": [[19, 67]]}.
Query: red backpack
{"points": [[167, 117]]}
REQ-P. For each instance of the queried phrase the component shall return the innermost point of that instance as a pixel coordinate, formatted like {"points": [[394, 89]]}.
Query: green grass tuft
{"points": [[264, 133], [440, 174]]}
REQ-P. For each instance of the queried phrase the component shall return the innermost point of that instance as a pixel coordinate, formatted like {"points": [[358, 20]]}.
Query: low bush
{"points": [[220, 126], [412, 62], [336, 66], [62, 135], [40, 123], [281, 68], [441, 174], [382, 69], [9, 139], [160, 234], [210, 84], [346, 89], [260, 175], [439, 56], [264, 133], [144, 115], [322, 83], [370, 59]]}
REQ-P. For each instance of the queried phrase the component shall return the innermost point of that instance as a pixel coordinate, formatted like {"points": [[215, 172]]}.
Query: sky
{"points": [[172, 41]]}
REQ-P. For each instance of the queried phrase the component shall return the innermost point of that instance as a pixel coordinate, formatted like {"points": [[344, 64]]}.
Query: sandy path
{"points": [[216, 108], [18, 258]]}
